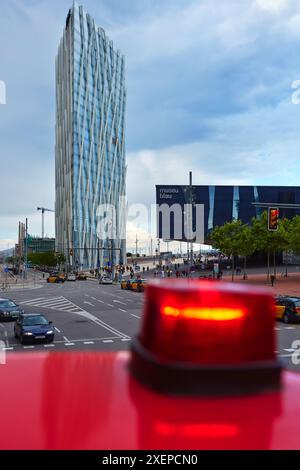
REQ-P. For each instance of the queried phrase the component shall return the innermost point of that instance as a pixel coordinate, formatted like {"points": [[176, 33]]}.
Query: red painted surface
{"points": [[90, 401], [195, 321]]}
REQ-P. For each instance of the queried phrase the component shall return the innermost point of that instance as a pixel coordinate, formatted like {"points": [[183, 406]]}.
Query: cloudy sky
{"points": [[209, 89]]}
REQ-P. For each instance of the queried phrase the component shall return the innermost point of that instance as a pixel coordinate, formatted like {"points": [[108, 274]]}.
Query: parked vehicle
{"points": [[105, 280], [9, 310]]}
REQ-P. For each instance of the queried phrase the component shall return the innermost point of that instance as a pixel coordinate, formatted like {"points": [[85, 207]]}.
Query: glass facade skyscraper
{"points": [[90, 162]]}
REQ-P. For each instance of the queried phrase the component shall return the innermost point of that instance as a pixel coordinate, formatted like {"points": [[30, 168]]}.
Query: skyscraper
{"points": [[90, 167]]}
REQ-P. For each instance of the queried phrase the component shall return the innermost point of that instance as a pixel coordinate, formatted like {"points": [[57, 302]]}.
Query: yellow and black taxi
{"points": [[126, 283], [135, 284], [81, 277], [287, 308], [138, 285], [56, 278]]}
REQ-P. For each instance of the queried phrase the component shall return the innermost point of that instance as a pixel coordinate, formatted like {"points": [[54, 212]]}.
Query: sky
{"points": [[209, 89]]}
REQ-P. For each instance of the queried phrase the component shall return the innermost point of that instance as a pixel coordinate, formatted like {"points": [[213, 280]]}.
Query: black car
{"points": [[9, 310], [31, 327]]}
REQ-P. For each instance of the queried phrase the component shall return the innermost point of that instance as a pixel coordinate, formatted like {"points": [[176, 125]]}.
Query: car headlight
{"points": [[49, 332], [27, 333]]}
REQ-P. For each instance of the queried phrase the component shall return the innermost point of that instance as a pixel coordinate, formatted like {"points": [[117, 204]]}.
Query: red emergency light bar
{"points": [[206, 337]]}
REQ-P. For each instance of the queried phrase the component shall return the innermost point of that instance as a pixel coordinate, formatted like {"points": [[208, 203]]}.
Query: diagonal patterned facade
{"points": [[90, 142]]}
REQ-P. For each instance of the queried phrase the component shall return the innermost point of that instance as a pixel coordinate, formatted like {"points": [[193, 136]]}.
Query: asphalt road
{"points": [[89, 316]]}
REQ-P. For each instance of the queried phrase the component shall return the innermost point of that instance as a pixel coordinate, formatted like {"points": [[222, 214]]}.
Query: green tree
{"points": [[246, 242], [294, 234], [270, 242], [228, 239], [43, 259]]}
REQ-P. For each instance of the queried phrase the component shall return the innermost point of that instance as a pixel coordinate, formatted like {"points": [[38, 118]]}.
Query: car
{"points": [[81, 277], [287, 309], [9, 310], [105, 280], [138, 285], [33, 327], [71, 277], [126, 283], [137, 268], [55, 278]]}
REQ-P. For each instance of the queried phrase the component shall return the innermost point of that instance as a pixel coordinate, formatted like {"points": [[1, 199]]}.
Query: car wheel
{"points": [[285, 318], [22, 340]]}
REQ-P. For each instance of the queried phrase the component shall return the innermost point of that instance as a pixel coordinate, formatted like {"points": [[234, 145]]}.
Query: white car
{"points": [[71, 277], [105, 280]]}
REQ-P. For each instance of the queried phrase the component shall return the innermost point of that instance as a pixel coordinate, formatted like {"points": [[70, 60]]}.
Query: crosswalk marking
{"points": [[54, 303], [62, 304]]}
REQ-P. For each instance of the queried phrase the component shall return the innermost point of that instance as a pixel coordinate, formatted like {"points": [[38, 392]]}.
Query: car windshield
{"points": [[7, 304], [35, 320]]}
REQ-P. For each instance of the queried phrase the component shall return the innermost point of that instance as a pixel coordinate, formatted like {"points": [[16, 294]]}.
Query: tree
{"points": [[294, 234], [228, 239], [270, 242], [246, 244]]}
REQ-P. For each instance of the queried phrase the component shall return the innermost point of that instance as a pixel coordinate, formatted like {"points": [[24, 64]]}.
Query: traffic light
{"points": [[71, 252], [273, 216]]}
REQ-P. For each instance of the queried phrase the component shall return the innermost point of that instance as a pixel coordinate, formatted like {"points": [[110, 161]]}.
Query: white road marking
{"points": [[89, 303], [28, 347], [94, 298], [58, 331], [49, 345], [66, 339], [32, 300], [88, 342], [122, 310], [85, 314], [278, 329], [290, 350], [69, 344], [289, 327], [119, 302], [10, 348], [125, 339], [86, 295], [107, 341], [133, 315], [57, 303], [101, 301]]}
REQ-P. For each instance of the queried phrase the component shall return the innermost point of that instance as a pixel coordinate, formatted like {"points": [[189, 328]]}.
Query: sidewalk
{"points": [[283, 285]]}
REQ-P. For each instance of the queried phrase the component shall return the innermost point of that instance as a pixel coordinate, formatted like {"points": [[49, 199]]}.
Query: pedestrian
{"points": [[272, 278]]}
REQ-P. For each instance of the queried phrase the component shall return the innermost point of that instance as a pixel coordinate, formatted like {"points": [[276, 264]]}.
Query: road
{"points": [[89, 316]]}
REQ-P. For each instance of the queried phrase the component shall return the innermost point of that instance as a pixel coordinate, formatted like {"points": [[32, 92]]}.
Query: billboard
{"points": [[187, 213], [180, 216]]}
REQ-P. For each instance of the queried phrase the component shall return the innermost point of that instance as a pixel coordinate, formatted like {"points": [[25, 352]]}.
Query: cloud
{"points": [[209, 90], [272, 5]]}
